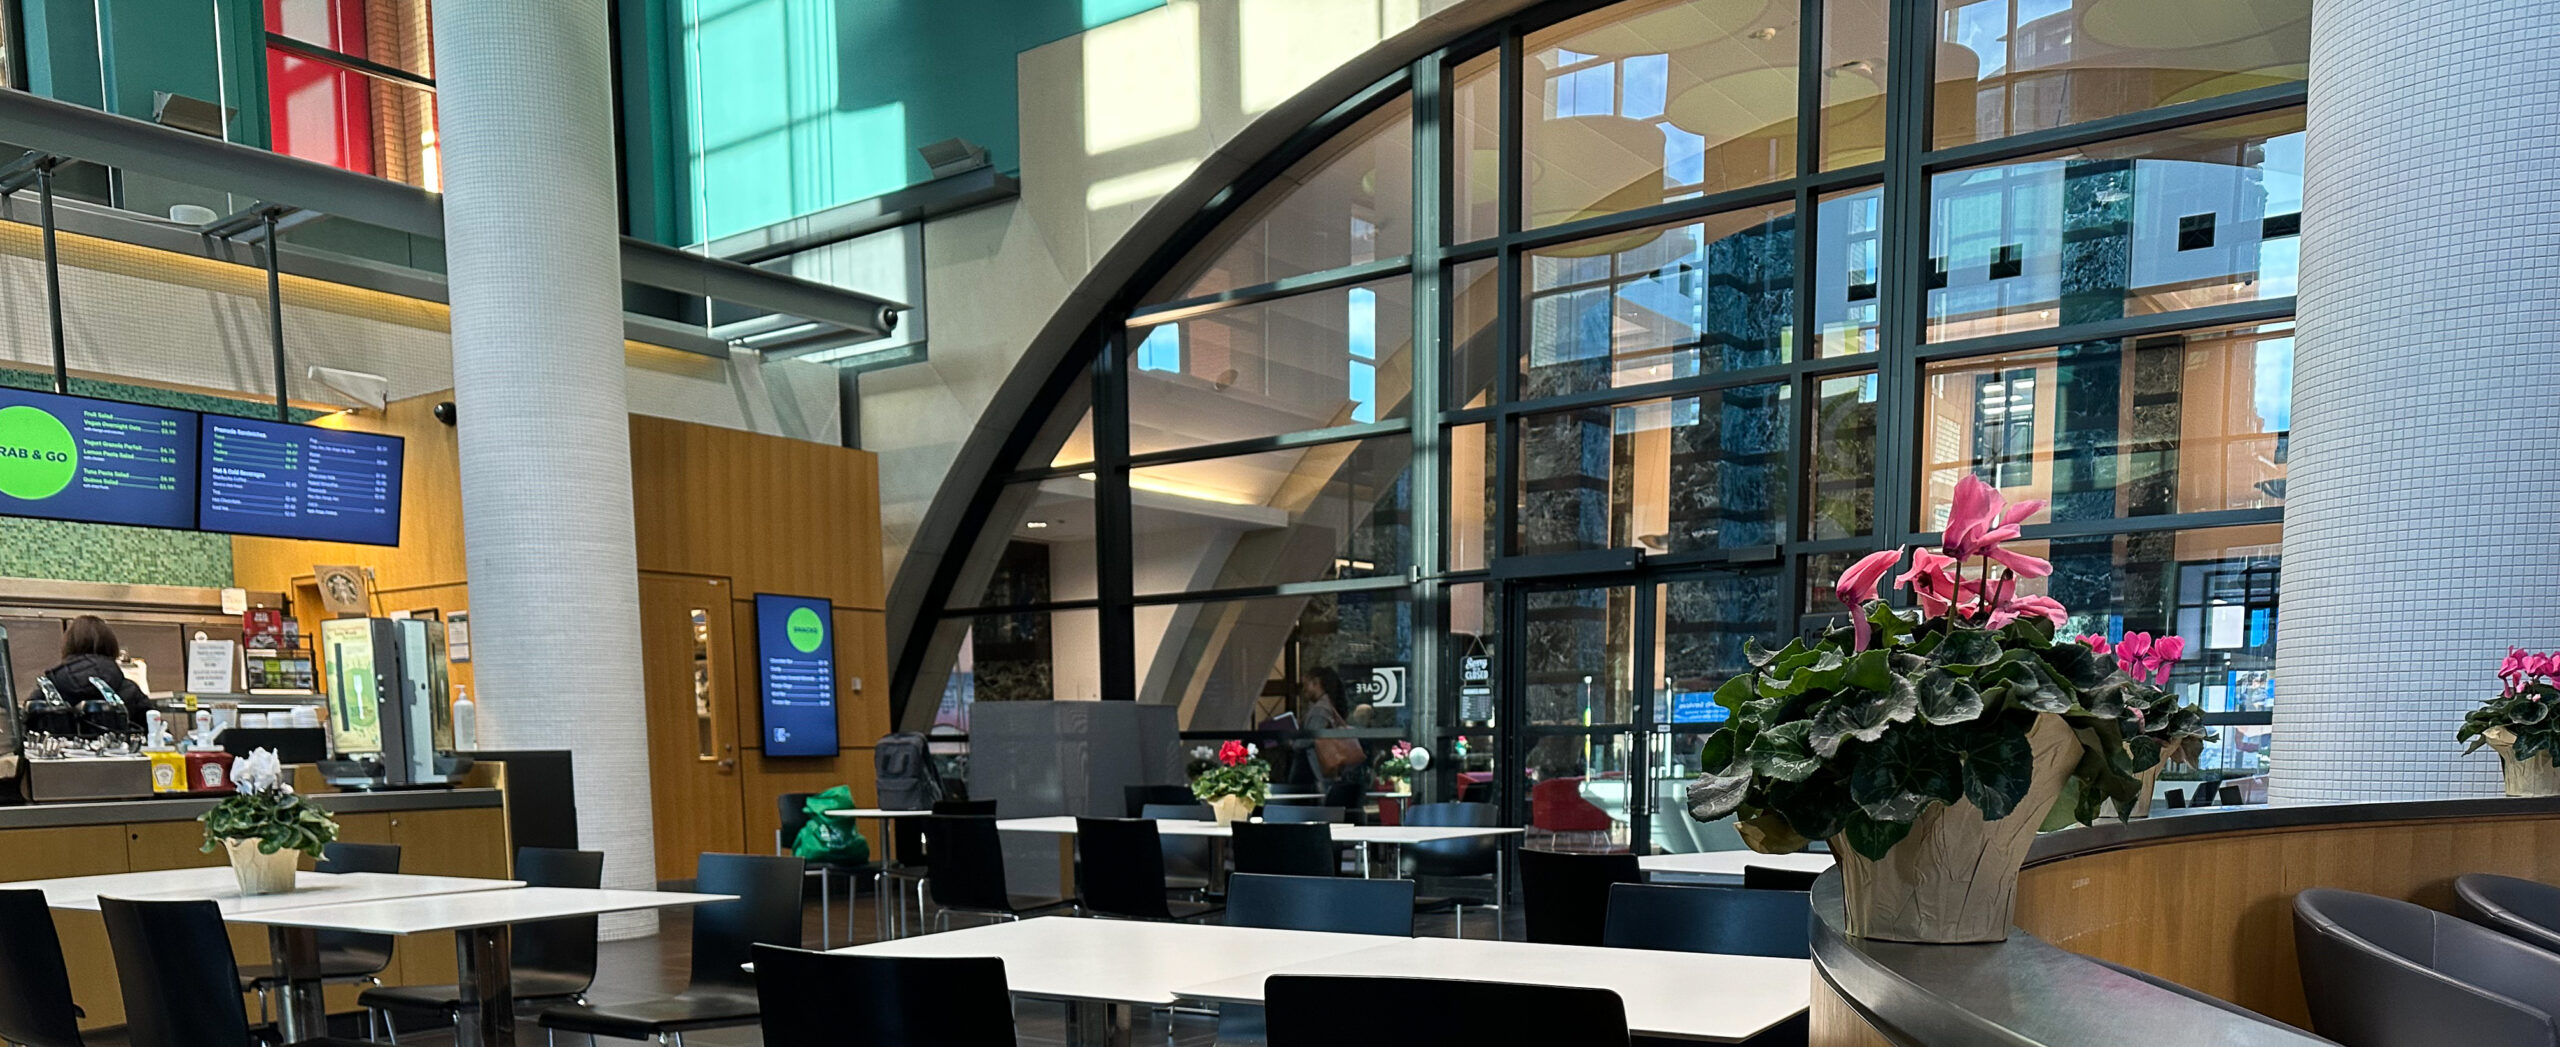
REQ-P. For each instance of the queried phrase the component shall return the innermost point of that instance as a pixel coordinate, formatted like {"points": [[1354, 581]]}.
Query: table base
{"points": [[487, 1015]]}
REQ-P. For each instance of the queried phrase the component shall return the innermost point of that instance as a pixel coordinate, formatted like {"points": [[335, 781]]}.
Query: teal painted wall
{"points": [[84, 552], [117, 54], [806, 104]]}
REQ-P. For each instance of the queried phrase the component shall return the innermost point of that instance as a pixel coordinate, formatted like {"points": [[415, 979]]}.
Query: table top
{"points": [[1729, 863], [1674, 995], [1063, 825], [873, 812], [456, 912], [1122, 961], [218, 885]]}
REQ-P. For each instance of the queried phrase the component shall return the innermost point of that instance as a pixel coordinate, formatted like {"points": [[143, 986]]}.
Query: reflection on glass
{"points": [[1338, 510], [2011, 66], [1239, 664], [1818, 607], [1702, 297], [1042, 534], [1578, 791], [1579, 650], [1853, 81], [1848, 279], [1471, 494], [1475, 148], [1017, 656], [1348, 203], [1473, 647], [706, 733], [1651, 101], [2201, 216], [2194, 421], [1312, 361], [1475, 345], [322, 109], [1669, 476], [1699, 627], [1842, 491], [1066, 438]]}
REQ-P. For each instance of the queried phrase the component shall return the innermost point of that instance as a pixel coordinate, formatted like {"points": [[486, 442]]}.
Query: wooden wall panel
{"points": [[2215, 913], [1833, 1022]]}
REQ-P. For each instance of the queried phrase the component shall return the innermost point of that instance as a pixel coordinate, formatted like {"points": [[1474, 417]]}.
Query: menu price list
{"points": [[295, 481]]}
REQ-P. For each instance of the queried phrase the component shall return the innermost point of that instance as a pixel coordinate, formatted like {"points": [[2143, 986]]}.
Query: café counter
{"points": [[2178, 926], [441, 832]]}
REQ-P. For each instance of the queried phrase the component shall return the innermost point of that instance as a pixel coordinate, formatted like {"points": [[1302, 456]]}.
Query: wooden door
{"points": [[685, 651]]}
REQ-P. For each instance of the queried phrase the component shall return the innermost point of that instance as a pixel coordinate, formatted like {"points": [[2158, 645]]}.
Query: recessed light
{"points": [[1766, 32], [1036, 524]]}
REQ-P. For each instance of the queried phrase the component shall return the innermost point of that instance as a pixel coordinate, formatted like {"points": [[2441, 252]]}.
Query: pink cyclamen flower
{"points": [[2097, 642], [2134, 647], [2044, 607], [2169, 648], [2512, 669], [2542, 665], [1980, 519], [1858, 585], [1932, 578]]}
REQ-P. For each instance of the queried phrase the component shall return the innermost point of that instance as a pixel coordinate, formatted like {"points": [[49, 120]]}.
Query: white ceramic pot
{"points": [[261, 873]]}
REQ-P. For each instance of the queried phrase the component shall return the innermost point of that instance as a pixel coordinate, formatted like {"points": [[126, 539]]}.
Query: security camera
{"points": [[445, 412]]}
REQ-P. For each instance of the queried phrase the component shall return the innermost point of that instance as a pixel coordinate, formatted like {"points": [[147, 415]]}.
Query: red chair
{"points": [[1557, 806]]}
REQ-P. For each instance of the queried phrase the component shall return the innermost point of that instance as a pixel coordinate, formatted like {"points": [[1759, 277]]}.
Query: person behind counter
{"points": [[89, 651]]}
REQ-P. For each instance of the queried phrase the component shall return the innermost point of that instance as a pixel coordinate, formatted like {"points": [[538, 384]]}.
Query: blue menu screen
{"points": [[71, 458], [280, 480], [796, 653]]}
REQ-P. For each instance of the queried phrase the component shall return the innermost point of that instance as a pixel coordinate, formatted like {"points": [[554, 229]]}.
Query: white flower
{"points": [[1202, 752], [259, 772], [1251, 751]]}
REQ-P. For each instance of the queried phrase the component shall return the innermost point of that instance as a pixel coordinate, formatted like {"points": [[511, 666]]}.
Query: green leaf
{"points": [[1713, 797], [1999, 766], [1872, 838], [1815, 808], [1736, 692], [1945, 699], [1863, 716], [1870, 671], [1899, 777], [1769, 833], [2074, 663], [2146, 753], [1967, 647], [1781, 752], [2527, 714], [2039, 691], [1717, 753]]}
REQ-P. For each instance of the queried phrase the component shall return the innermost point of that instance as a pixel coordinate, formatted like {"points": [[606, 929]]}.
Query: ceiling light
{"points": [[1036, 525], [1766, 32]]}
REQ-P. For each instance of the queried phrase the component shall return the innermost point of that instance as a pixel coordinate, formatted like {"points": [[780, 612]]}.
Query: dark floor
{"points": [[637, 969]]}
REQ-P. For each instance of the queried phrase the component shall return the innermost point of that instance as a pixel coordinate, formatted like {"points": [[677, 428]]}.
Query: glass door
{"points": [[1701, 621]]}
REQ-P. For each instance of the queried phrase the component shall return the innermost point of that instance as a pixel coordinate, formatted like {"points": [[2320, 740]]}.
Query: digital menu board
{"points": [[97, 461], [796, 652], [280, 480]]}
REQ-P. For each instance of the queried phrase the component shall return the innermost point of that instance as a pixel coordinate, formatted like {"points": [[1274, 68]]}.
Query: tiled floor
{"points": [[657, 965]]}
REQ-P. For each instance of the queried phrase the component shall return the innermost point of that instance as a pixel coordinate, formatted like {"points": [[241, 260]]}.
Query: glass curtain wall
{"points": [[1578, 355], [351, 84]]}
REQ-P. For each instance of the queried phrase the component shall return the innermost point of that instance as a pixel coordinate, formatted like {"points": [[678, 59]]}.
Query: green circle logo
{"points": [[37, 455], [805, 629]]}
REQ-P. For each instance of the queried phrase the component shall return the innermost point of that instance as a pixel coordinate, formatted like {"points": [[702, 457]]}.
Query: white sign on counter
{"points": [[213, 666]]}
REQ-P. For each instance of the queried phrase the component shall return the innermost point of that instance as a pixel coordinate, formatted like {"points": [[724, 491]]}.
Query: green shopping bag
{"points": [[831, 840]]}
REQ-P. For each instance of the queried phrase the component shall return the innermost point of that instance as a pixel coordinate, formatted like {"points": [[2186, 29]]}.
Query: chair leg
{"points": [[826, 912]]}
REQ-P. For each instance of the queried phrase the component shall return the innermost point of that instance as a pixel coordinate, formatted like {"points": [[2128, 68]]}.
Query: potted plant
{"points": [[1236, 784], [2519, 725], [1927, 744], [1398, 763], [264, 827], [2151, 709]]}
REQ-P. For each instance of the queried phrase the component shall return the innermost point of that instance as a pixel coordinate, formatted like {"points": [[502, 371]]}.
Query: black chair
{"points": [[1283, 849], [1454, 859], [913, 865], [794, 808], [549, 961], [1568, 893], [817, 999], [2380, 972], [181, 987], [1773, 878], [345, 956], [1321, 903], [1123, 872], [1308, 1011], [721, 993], [1189, 861], [1302, 813], [2522, 909], [1729, 920], [968, 871], [1135, 799], [35, 988]]}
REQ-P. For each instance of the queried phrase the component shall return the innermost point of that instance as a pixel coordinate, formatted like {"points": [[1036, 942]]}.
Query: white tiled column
{"points": [[524, 93], [2422, 524]]}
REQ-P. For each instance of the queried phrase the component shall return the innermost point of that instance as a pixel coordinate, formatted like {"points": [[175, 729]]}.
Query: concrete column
{"points": [[524, 99], [2422, 534]]}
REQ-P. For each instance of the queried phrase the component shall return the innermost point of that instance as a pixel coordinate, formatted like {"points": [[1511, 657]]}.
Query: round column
{"points": [[524, 100], [2422, 535]]}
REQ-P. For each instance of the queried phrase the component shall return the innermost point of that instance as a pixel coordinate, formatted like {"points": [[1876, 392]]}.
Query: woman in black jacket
{"points": [[89, 651]]}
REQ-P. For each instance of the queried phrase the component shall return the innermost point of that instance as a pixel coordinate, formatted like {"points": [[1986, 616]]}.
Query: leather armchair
{"points": [[2521, 909], [2379, 972]]}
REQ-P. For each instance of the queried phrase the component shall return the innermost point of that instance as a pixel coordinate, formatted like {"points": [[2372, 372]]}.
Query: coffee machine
{"points": [[388, 715]]}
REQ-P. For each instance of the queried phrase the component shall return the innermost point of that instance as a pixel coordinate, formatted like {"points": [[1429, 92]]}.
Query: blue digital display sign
{"points": [[1697, 707], [796, 655], [97, 461], [280, 480]]}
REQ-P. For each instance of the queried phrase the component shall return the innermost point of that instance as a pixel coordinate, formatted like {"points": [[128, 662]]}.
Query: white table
{"points": [[478, 920], [300, 1013], [1102, 967], [1673, 995], [1725, 867], [1064, 827]]}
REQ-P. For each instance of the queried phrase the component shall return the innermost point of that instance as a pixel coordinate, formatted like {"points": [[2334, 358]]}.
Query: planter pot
{"points": [[1230, 809], [1953, 880], [2150, 779], [261, 873], [2534, 777]]}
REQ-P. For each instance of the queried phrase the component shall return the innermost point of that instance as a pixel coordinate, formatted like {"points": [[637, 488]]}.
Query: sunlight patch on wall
{"points": [[1133, 188], [1296, 41], [1142, 79]]}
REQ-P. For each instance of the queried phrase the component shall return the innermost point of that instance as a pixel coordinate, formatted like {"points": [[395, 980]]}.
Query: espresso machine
{"points": [[388, 716]]}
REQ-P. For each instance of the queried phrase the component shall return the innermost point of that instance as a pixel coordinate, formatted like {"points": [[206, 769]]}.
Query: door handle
{"points": [[728, 765]]}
